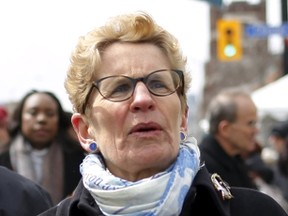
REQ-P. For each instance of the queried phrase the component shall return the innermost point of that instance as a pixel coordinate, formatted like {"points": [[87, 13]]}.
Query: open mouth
{"points": [[145, 127]]}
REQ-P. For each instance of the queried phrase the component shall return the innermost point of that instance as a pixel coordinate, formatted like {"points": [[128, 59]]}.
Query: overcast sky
{"points": [[37, 37]]}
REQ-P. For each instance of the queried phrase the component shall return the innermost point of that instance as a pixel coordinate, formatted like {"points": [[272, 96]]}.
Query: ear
{"points": [[223, 128], [184, 119], [81, 127]]}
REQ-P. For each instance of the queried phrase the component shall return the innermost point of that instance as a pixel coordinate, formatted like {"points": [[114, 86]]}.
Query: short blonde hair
{"points": [[135, 27]]}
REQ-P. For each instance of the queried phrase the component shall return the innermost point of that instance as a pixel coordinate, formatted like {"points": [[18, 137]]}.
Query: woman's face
{"points": [[137, 137], [40, 120]]}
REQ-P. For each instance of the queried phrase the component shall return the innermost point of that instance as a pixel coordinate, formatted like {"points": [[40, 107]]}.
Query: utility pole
{"points": [[284, 20]]}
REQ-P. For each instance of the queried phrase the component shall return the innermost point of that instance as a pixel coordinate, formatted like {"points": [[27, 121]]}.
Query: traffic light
{"points": [[229, 40]]}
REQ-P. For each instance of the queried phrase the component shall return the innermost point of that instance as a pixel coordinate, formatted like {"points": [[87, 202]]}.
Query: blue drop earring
{"points": [[93, 147], [183, 136]]}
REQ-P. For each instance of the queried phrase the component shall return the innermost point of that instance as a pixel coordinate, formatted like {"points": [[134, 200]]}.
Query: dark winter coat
{"points": [[232, 169], [20, 196], [202, 199]]}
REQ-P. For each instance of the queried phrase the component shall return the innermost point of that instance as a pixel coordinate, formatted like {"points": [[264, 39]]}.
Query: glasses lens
{"points": [[120, 88], [163, 83], [116, 88]]}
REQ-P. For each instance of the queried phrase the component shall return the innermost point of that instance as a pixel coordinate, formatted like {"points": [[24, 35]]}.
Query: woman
{"points": [[127, 83], [40, 148]]}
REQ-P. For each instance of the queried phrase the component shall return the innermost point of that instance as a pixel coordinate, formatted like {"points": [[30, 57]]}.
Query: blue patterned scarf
{"points": [[162, 194]]}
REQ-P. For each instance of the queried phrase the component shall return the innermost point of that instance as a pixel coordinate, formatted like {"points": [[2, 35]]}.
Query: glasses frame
{"points": [[95, 84]]}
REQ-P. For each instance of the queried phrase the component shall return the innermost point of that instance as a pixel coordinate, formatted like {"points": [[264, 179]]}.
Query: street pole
{"points": [[284, 20]]}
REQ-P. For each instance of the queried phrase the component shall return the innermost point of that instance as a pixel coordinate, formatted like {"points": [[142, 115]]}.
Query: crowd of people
{"points": [[125, 149]]}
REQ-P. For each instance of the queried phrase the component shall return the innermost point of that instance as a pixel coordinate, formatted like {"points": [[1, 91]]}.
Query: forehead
{"points": [[132, 58], [246, 107], [40, 100]]}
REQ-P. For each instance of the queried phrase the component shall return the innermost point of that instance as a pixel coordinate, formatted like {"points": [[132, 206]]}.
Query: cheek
{"points": [[54, 124], [107, 121], [26, 124], [176, 114]]}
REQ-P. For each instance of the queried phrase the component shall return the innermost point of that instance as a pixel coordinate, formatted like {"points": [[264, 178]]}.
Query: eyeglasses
{"points": [[120, 88]]}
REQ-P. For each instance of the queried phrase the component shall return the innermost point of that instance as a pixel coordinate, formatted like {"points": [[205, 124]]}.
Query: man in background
{"points": [[232, 119]]}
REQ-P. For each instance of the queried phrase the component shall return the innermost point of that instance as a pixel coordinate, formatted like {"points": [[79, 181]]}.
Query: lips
{"points": [[42, 131], [145, 127]]}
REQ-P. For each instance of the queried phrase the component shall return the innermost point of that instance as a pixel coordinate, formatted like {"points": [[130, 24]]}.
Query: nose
{"points": [[41, 117], [142, 99], [256, 130], [256, 127]]}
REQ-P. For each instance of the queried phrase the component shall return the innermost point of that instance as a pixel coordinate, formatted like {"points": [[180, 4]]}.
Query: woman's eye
{"points": [[156, 84], [121, 88]]}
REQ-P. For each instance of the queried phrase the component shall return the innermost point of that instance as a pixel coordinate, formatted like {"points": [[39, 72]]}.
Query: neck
{"points": [[227, 146]]}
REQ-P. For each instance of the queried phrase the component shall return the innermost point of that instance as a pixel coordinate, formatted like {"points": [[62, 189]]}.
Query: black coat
{"points": [[231, 169], [20, 196], [202, 199], [72, 156]]}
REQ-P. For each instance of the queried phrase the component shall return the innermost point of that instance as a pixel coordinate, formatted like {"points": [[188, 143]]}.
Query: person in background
{"points": [[263, 175], [128, 83], [21, 196], [232, 117], [4, 131], [278, 138], [257, 168], [40, 148]]}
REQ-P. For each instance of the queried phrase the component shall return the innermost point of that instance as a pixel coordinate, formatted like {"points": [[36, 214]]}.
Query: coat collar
{"points": [[212, 189]]}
